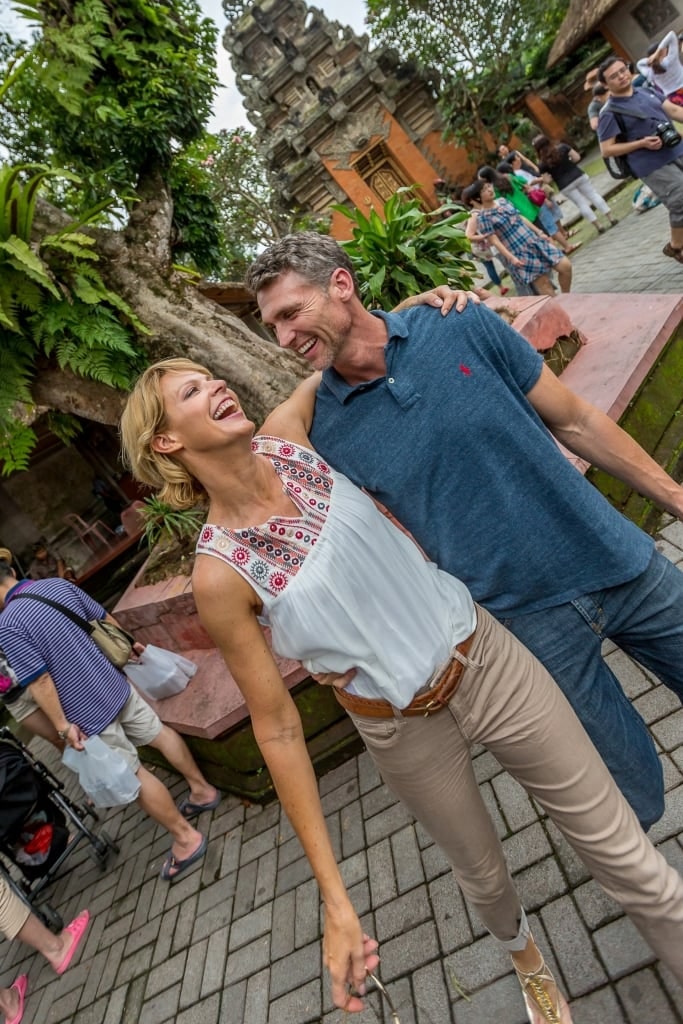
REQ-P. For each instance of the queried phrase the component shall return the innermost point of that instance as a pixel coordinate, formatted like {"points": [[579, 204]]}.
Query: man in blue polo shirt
{"points": [[57, 666], [649, 141], [447, 420]]}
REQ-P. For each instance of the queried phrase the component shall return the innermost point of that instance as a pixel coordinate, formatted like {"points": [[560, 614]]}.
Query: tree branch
{"points": [[148, 233], [64, 391]]}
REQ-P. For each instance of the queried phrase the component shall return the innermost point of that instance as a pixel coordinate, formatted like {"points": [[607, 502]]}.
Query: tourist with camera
{"points": [[636, 125]]}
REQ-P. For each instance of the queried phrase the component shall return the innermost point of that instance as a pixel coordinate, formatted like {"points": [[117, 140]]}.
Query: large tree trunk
{"points": [[137, 264]]}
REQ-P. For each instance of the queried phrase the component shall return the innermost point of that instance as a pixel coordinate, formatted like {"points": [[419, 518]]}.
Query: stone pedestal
{"points": [[211, 713]]}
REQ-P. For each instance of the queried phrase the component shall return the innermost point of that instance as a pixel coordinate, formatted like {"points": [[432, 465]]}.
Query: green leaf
{"points": [[375, 282], [411, 253], [16, 444], [20, 256]]}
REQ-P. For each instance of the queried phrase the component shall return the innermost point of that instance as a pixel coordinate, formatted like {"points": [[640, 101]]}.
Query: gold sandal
{"points": [[541, 1006]]}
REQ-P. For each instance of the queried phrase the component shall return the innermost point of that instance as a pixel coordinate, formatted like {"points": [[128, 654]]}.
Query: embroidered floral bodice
{"points": [[271, 554]]}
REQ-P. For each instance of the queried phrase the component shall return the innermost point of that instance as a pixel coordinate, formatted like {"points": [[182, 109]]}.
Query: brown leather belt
{"points": [[425, 703]]}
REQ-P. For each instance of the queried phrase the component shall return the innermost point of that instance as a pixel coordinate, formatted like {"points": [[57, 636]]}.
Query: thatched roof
{"points": [[582, 18]]}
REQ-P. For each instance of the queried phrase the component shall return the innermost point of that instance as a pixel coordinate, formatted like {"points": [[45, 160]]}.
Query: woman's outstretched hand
{"points": [[348, 955]]}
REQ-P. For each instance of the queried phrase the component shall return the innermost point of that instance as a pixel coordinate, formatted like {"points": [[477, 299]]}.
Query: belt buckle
{"points": [[428, 708]]}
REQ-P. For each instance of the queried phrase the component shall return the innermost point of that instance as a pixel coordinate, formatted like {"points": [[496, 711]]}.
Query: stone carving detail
{"points": [[356, 134], [313, 88], [653, 16]]}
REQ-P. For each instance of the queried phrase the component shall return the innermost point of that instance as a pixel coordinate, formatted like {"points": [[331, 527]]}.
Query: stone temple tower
{"points": [[337, 122]]}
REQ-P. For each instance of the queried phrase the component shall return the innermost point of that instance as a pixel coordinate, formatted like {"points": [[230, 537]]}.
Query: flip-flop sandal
{"points": [[189, 809], [676, 254], [173, 867], [76, 929], [20, 986]]}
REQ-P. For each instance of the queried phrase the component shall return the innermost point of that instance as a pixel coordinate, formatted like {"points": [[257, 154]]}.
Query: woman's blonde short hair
{"points": [[143, 418]]}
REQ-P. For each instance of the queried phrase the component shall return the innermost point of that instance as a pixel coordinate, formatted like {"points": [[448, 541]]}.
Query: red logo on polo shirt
{"points": [[465, 369]]}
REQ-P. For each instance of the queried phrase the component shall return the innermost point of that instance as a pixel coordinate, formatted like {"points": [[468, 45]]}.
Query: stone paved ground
{"points": [[237, 939], [628, 257]]}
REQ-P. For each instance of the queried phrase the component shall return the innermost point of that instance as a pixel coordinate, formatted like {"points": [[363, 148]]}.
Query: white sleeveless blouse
{"points": [[341, 586]]}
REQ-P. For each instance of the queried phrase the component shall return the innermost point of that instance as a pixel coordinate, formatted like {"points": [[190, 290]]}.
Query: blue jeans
{"points": [[546, 220], [644, 617], [490, 268]]}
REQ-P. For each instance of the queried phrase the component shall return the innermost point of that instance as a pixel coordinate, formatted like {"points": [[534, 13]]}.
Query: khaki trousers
{"points": [[508, 702], [13, 913]]}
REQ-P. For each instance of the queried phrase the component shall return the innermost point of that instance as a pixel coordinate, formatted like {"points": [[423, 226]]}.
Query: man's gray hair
{"points": [[313, 256]]}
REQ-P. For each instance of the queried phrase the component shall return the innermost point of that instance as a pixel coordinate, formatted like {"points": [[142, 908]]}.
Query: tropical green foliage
{"points": [[480, 59], [407, 251], [110, 94], [162, 522], [115, 94], [109, 91], [53, 304]]}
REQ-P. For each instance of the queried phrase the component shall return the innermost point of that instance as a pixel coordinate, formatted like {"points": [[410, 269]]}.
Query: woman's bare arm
{"points": [[292, 419], [227, 607], [503, 250]]}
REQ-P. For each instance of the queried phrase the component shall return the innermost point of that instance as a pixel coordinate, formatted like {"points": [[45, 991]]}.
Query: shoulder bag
{"points": [[618, 166], [114, 642]]}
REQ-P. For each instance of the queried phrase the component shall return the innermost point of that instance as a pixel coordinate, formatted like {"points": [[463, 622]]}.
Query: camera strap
{"points": [[618, 112], [629, 113], [618, 166]]}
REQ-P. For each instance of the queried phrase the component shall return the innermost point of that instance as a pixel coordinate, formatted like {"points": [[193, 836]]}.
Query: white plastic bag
{"points": [[644, 199], [103, 773], [160, 673]]}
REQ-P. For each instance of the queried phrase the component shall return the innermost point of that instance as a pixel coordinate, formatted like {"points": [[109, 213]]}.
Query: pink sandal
{"points": [[20, 985], [77, 930]]}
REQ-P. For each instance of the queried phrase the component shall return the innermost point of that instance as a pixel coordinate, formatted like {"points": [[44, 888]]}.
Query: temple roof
{"points": [[582, 18]]}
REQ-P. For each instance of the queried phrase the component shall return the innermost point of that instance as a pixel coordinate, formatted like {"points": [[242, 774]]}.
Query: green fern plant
{"points": [[17, 441], [407, 250], [63, 426], [53, 303]]}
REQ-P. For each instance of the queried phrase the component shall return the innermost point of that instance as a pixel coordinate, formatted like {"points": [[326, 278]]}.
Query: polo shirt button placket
{"points": [[391, 380]]}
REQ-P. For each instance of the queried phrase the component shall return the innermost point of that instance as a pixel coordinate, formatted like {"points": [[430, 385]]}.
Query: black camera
{"points": [[667, 133]]}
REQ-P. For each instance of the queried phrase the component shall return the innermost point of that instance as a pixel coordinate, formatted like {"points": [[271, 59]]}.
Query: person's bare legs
{"points": [[156, 801], [175, 750], [9, 1003], [53, 947], [564, 274], [543, 285], [38, 724], [677, 238], [561, 236]]}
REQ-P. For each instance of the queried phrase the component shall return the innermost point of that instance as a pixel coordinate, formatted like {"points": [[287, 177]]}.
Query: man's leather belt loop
{"points": [[425, 703]]}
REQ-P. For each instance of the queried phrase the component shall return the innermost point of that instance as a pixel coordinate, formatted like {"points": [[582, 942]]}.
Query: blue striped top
{"points": [[38, 639]]}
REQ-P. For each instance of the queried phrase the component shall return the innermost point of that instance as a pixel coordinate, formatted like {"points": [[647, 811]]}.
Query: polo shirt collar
{"points": [[340, 388], [18, 586]]}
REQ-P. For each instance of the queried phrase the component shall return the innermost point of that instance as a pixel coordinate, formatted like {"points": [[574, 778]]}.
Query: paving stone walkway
{"points": [[628, 257], [237, 940]]}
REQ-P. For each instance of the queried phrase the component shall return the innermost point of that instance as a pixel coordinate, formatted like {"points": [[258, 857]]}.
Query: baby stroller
{"points": [[40, 826]]}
